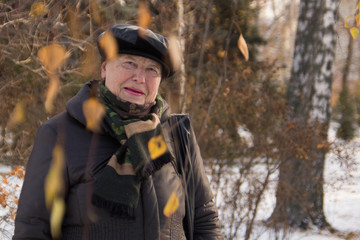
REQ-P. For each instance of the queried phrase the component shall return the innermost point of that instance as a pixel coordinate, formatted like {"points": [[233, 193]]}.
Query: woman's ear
{"points": [[103, 70]]}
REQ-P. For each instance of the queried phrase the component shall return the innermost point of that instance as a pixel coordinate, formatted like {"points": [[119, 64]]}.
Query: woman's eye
{"points": [[129, 65], [153, 71]]}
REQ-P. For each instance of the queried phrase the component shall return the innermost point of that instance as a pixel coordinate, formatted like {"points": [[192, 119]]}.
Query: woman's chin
{"points": [[139, 100]]}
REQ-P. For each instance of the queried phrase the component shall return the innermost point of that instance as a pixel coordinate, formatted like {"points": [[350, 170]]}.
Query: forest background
{"points": [[234, 80]]}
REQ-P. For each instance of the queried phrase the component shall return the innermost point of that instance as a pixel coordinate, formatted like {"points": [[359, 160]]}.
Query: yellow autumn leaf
{"points": [[320, 145], [38, 9], [95, 11], [354, 32], [73, 23], [346, 24], [171, 205], [89, 65], [109, 45], [52, 56], [157, 146], [357, 19], [243, 47], [192, 80], [54, 182], [144, 16], [51, 93], [56, 217], [174, 52], [93, 112], [221, 53], [18, 115], [226, 92]]}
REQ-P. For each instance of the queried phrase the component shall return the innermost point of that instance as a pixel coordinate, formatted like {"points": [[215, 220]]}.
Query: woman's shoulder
{"points": [[52, 122]]}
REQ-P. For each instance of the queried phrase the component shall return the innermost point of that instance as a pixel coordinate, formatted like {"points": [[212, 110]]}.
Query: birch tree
{"points": [[300, 189]]}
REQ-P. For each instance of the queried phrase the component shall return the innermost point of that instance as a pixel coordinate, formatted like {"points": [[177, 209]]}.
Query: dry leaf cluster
{"points": [[354, 28]]}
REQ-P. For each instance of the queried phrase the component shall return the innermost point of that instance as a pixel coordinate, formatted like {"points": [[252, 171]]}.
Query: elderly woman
{"points": [[116, 186]]}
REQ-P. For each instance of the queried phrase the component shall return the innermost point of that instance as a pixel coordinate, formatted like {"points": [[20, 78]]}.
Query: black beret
{"points": [[135, 40]]}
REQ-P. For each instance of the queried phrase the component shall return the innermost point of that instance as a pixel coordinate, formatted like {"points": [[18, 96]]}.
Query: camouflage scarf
{"points": [[142, 152]]}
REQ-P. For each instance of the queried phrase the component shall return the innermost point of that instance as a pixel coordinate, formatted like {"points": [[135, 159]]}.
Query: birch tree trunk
{"points": [[299, 197], [182, 78]]}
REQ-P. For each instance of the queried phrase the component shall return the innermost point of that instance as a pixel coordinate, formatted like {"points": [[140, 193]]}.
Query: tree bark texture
{"points": [[182, 102], [300, 190]]}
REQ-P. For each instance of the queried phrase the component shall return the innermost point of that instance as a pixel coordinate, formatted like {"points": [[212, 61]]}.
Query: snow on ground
{"points": [[341, 201], [10, 186], [342, 188], [341, 197]]}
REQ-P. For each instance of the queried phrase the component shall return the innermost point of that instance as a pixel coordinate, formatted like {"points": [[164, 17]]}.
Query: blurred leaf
{"points": [[89, 64], [51, 93], [17, 116], [94, 112], [243, 47], [346, 24], [320, 146], [16, 199], [38, 9], [73, 23], [157, 146], [95, 12], [354, 32], [174, 52], [192, 80], [12, 214], [52, 56], [221, 53], [4, 179], [56, 218], [18, 171], [144, 16], [3, 200], [357, 19], [108, 45], [54, 183], [289, 126], [226, 92], [171, 205]]}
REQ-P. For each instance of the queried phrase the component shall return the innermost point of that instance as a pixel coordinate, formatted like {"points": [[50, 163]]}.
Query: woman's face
{"points": [[132, 78]]}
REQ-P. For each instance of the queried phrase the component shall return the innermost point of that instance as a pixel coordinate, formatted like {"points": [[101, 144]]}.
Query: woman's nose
{"points": [[140, 75]]}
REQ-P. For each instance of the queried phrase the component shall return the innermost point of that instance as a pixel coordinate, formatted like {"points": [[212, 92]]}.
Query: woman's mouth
{"points": [[134, 91]]}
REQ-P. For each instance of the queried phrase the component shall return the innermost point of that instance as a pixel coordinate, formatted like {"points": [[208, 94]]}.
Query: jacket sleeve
{"points": [[32, 218], [206, 221]]}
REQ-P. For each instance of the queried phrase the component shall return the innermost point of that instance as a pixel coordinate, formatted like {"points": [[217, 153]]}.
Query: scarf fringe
{"points": [[155, 165], [117, 209]]}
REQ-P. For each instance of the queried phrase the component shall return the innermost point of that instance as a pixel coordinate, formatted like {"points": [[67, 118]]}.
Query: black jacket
{"points": [[86, 154]]}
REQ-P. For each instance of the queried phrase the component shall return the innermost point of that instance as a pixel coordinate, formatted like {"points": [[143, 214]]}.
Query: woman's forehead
{"points": [[144, 60]]}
